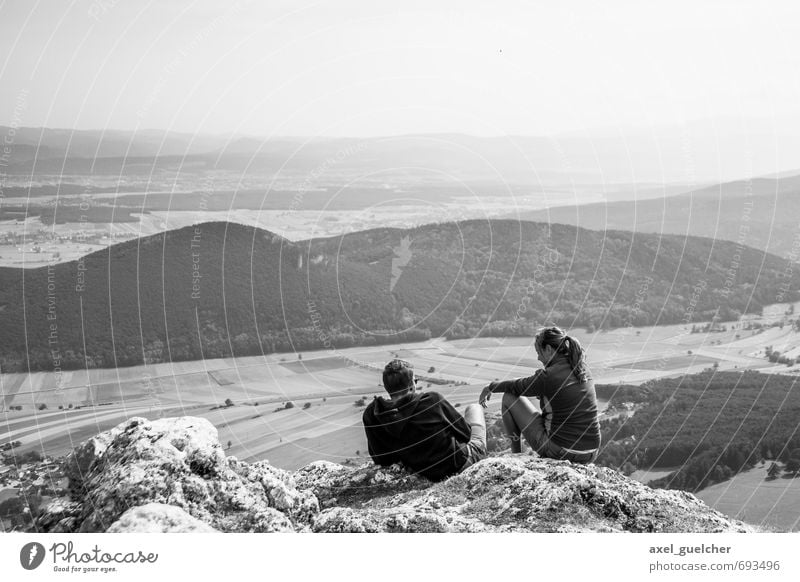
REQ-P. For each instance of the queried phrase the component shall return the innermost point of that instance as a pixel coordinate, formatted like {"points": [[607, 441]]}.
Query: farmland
{"points": [[247, 398], [753, 498], [323, 386]]}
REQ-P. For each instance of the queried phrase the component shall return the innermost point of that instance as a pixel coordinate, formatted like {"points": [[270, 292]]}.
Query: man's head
{"points": [[398, 377]]}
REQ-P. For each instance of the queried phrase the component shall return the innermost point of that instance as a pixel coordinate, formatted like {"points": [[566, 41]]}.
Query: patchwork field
{"points": [[750, 497], [325, 422]]}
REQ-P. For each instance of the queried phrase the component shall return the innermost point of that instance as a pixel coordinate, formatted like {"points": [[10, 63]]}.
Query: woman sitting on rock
{"points": [[568, 427]]}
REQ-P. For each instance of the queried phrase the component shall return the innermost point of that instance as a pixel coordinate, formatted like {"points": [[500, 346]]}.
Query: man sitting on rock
{"points": [[422, 430]]}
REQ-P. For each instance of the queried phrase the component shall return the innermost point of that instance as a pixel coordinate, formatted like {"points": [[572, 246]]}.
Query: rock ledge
{"points": [[171, 475]]}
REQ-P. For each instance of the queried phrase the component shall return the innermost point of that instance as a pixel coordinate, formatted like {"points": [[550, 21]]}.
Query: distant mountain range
{"points": [[61, 144], [685, 155], [436, 158], [763, 213], [222, 289]]}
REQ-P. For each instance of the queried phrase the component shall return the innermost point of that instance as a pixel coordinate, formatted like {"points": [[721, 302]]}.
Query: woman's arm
{"points": [[486, 393], [529, 386]]}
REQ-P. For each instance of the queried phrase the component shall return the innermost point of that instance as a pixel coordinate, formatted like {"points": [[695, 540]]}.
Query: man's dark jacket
{"points": [[421, 430]]}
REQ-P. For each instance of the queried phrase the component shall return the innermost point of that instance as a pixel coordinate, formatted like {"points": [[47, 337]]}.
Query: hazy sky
{"points": [[368, 68]]}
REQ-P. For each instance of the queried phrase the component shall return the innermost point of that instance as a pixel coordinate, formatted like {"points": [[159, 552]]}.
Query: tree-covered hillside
{"points": [[222, 289], [707, 427]]}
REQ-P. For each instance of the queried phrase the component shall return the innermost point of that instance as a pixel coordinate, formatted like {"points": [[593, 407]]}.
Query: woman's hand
{"points": [[486, 394]]}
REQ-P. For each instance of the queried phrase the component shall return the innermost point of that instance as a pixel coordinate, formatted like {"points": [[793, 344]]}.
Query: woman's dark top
{"points": [[569, 406]]}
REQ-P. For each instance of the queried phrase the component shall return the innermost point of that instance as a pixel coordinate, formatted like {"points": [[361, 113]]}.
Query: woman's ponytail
{"points": [[576, 359]]}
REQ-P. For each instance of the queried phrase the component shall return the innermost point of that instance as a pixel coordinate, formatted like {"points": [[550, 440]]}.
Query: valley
{"points": [[60, 409]]}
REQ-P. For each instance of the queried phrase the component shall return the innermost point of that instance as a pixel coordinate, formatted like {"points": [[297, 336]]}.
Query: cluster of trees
{"points": [[13, 458], [287, 406], [221, 290], [709, 425], [21, 510], [228, 403], [9, 446], [778, 358], [791, 467]]}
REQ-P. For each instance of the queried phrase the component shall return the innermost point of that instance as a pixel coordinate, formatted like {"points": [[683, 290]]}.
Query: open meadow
{"points": [[752, 497], [325, 387]]}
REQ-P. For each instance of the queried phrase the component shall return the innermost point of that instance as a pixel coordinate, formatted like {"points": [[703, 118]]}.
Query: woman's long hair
{"points": [[564, 345]]}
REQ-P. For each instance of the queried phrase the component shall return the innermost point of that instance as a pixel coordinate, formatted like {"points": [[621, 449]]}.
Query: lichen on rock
{"points": [[171, 475], [158, 518], [179, 462]]}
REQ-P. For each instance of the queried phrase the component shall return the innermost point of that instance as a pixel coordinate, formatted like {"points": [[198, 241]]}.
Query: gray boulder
{"points": [[177, 462]]}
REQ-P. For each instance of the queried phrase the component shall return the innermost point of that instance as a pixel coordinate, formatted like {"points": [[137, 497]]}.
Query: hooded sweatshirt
{"points": [[421, 430]]}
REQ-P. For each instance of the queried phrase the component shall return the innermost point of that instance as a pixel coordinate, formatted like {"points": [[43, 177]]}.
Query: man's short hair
{"points": [[398, 376]]}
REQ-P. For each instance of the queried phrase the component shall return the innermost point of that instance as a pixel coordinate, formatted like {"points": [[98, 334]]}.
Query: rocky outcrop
{"points": [[503, 494], [177, 462], [158, 518], [171, 475]]}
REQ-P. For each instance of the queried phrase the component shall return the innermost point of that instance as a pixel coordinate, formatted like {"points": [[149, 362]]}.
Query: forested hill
{"points": [[221, 289], [761, 213], [704, 427]]}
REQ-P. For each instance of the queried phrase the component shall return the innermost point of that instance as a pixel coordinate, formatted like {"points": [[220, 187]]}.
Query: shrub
{"points": [[11, 506], [773, 471], [793, 465], [33, 456]]}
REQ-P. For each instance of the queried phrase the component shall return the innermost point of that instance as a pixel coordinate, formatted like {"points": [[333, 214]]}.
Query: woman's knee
{"points": [[508, 400]]}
